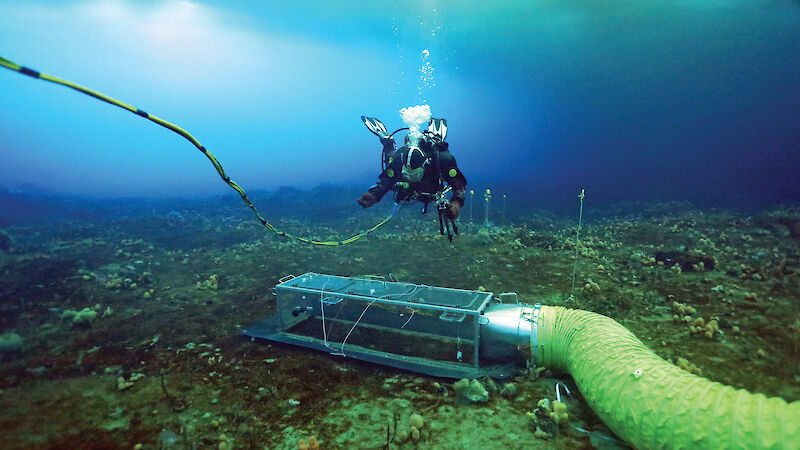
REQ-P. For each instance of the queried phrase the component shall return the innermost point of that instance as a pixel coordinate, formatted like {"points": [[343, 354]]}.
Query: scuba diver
{"points": [[418, 171]]}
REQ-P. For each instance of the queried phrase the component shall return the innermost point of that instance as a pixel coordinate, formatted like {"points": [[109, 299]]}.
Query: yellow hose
{"points": [[651, 403], [185, 134]]}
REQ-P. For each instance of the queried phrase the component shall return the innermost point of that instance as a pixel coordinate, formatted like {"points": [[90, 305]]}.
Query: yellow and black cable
{"points": [[172, 127]]}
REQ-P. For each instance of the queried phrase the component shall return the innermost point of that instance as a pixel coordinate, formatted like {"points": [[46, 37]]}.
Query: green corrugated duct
{"points": [[651, 403]]}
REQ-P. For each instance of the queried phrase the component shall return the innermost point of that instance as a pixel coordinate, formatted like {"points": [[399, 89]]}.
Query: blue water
{"points": [[632, 100]]}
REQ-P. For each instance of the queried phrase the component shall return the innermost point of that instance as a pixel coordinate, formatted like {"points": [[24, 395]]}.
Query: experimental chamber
{"points": [[435, 331]]}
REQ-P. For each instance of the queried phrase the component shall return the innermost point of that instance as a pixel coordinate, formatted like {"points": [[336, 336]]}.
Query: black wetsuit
{"points": [[442, 166]]}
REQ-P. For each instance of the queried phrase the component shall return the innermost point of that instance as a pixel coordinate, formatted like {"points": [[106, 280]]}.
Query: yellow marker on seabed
{"points": [[487, 196], [577, 242]]}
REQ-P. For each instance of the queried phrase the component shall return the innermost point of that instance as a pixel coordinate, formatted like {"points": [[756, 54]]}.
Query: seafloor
{"points": [[130, 313]]}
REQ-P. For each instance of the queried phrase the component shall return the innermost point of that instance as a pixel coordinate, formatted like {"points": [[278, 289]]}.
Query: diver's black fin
{"points": [[438, 126], [376, 126]]}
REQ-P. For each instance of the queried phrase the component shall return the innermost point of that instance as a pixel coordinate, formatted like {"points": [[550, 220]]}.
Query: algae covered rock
{"points": [[483, 237], [509, 390], [10, 343], [471, 391], [82, 318]]}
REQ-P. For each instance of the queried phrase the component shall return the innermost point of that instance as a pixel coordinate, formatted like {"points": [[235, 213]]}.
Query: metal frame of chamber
{"points": [[430, 330]]}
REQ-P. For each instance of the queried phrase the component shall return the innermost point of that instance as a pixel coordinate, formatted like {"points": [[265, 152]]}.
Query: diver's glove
{"points": [[433, 138], [367, 199], [435, 141], [452, 210], [388, 144]]}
